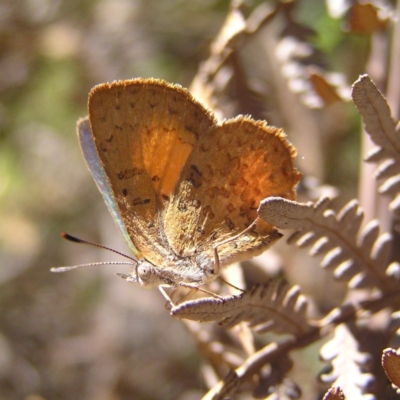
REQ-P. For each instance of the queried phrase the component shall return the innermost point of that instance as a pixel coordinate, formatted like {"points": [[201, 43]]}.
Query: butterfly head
{"points": [[145, 274], [194, 271]]}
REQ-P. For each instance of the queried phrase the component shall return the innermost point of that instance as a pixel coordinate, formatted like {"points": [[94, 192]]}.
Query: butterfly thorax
{"points": [[195, 270]]}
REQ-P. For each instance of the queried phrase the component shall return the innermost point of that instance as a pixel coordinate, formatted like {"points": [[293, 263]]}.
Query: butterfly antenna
{"points": [[77, 240], [65, 269]]}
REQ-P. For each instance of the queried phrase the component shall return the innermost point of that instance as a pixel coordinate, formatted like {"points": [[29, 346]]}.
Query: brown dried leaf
{"points": [[363, 18], [274, 306], [329, 88], [326, 86], [358, 257]]}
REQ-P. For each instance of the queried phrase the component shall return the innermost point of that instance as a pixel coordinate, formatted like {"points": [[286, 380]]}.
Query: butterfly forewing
{"points": [[144, 131], [96, 168]]}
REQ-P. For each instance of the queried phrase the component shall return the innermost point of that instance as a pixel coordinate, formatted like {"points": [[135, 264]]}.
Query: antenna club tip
{"points": [[71, 238], [58, 269], [77, 240]]}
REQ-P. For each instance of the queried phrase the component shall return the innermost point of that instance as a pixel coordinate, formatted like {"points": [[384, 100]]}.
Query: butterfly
{"points": [[183, 188]]}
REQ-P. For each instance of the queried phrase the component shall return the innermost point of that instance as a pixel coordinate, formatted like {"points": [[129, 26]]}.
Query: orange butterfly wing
{"points": [[144, 131], [232, 168]]}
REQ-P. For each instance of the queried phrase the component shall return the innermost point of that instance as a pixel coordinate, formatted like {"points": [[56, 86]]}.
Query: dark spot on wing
{"points": [[195, 176], [229, 222], [129, 173], [139, 201]]}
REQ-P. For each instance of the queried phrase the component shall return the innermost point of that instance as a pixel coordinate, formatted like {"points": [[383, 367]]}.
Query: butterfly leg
{"points": [[217, 263], [230, 284], [162, 289], [194, 287], [179, 299]]}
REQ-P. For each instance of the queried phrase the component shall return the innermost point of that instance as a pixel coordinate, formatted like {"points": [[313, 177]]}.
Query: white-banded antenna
{"points": [[65, 269]]}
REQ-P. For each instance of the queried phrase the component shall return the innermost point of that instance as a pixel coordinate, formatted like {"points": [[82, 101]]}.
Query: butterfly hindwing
{"points": [[232, 168]]}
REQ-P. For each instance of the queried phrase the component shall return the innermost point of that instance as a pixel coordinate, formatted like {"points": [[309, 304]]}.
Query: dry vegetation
{"points": [[88, 335]]}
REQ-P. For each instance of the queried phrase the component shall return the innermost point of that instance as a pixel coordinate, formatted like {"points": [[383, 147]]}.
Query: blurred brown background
{"points": [[87, 334]]}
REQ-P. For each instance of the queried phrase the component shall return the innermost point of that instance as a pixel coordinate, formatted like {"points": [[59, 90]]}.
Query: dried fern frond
{"points": [[273, 382], [334, 393], [222, 352], [349, 364], [229, 82], [274, 306], [359, 257], [269, 354], [224, 388], [213, 84], [384, 133]]}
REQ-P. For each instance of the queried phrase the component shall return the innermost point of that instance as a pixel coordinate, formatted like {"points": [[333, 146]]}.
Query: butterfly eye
{"points": [[144, 271]]}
